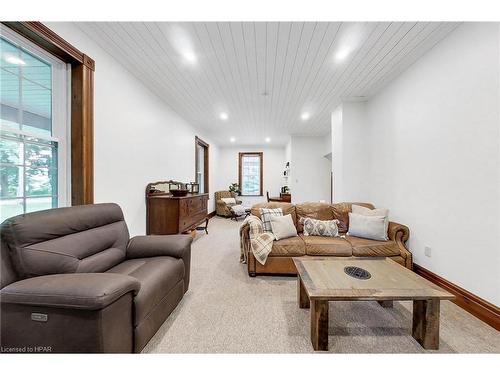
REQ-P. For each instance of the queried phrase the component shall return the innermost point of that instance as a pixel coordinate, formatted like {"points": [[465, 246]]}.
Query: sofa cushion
{"points": [[282, 227], [341, 213], [316, 245], [287, 208], [313, 210], [266, 214], [293, 246], [373, 227], [362, 247], [314, 227], [157, 275], [360, 210], [229, 200]]}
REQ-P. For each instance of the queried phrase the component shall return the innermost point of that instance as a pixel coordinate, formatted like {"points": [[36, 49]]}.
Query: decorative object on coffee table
{"points": [[321, 280], [357, 272]]}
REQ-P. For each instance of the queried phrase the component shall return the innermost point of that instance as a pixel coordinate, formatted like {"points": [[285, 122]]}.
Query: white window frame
{"points": [[61, 112]]}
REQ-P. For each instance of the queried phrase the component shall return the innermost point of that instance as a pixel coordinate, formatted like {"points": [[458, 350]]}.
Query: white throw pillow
{"points": [[360, 210], [229, 200], [283, 227], [372, 227]]}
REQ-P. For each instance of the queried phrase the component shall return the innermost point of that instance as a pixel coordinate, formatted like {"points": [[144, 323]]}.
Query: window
{"points": [[201, 167], [250, 173], [33, 118]]}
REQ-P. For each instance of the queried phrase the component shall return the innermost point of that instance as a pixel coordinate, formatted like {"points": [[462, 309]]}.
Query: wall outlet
{"points": [[428, 251]]}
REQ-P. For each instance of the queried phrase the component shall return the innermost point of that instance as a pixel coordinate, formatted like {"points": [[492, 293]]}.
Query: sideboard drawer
{"points": [[171, 215], [191, 220], [195, 205]]}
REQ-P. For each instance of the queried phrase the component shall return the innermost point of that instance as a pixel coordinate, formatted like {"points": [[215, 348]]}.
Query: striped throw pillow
{"points": [[265, 216]]}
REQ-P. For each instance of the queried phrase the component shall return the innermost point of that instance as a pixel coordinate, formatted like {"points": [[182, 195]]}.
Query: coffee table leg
{"points": [[386, 304], [302, 294], [319, 324], [426, 323]]}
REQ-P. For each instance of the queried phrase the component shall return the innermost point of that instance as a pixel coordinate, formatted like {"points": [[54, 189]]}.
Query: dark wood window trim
{"points": [[200, 142], [82, 105], [240, 164]]}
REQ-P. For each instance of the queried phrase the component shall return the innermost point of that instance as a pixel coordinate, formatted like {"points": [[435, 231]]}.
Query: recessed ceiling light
{"points": [[190, 57], [342, 54], [182, 42], [305, 116], [14, 60], [232, 139], [223, 116], [268, 139]]}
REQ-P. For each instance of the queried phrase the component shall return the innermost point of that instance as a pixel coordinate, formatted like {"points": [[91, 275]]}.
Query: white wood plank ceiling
{"points": [[266, 76]]}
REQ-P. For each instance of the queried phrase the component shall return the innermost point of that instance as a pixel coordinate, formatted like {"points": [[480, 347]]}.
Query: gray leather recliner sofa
{"points": [[73, 281]]}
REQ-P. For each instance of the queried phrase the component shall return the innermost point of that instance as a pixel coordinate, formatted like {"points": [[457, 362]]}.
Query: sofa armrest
{"points": [[400, 234], [175, 245], [85, 291]]}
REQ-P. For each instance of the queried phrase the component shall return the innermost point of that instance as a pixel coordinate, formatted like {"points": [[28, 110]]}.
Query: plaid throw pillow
{"points": [[266, 214], [313, 227]]}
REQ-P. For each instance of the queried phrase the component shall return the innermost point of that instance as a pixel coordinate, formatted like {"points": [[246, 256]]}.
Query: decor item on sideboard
{"points": [[171, 187], [174, 185], [179, 192], [235, 188], [193, 187], [161, 187]]}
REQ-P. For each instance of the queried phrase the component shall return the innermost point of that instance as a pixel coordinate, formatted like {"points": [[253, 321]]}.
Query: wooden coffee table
{"points": [[321, 280]]}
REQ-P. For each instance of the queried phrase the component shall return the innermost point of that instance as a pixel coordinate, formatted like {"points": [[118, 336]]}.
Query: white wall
{"points": [[432, 141], [137, 137], [274, 159], [310, 170], [337, 139], [288, 150], [351, 152]]}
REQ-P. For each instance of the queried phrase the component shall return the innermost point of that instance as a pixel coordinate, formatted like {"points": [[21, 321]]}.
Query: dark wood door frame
{"points": [[240, 165], [82, 105], [200, 142]]}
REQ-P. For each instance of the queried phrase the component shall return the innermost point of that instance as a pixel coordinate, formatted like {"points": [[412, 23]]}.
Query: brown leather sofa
{"points": [[280, 258], [73, 281]]}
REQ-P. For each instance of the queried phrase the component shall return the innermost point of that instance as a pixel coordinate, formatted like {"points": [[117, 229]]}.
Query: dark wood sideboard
{"points": [[166, 214]]}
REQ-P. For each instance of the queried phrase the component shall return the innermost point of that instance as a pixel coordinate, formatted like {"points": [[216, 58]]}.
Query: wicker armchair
{"points": [[223, 209]]}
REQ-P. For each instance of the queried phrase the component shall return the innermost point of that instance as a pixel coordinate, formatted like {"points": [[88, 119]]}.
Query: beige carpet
{"points": [[226, 311]]}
